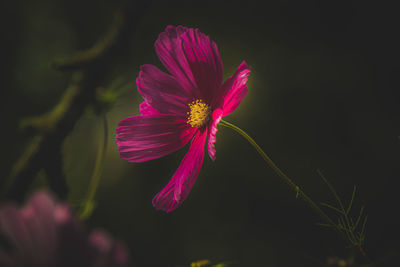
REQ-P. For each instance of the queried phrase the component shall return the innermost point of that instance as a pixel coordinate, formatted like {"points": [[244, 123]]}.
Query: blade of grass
{"points": [[359, 218], [326, 225], [352, 199], [331, 207], [331, 189], [363, 227]]}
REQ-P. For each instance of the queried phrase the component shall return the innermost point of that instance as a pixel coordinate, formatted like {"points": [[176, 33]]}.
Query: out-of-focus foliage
{"points": [[323, 93]]}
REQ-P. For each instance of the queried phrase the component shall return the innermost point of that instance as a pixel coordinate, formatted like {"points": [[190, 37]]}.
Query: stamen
{"points": [[199, 113]]}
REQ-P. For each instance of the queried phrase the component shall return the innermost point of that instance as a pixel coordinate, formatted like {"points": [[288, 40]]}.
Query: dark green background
{"points": [[323, 94]]}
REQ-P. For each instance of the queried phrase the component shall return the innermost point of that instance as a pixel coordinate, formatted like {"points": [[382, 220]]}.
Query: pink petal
{"points": [[42, 225], [100, 240], [108, 252], [146, 109], [162, 91], [13, 226], [142, 138], [193, 59], [204, 61], [63, 215], [216, 118], [235, 89], [169, 49], [178, 188]]}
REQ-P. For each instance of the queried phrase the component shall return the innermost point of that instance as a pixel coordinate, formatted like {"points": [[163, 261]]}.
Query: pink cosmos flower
{"points": [[45, 233], [185, 105]]}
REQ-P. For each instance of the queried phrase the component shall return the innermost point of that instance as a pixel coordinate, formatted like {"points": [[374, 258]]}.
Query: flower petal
{"points": [[235, 89], [169, 50], [216, 118], [204, 61], [14, 228], [142, 138], [107, 252], [178, 188], [162, 91], [146, 109], [193, 59], [39, 220]]}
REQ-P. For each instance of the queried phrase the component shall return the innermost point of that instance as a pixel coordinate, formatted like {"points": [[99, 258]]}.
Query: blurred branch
{"points": [[50, 129], [87, 56], [45, 143], [48, 122]]}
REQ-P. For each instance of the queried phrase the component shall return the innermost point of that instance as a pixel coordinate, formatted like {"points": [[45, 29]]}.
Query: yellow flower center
{"points": [[199, 113]]}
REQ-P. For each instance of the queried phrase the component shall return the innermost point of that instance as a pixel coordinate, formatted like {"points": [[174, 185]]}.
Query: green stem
{"points": [[88, 204], [280, 173]]}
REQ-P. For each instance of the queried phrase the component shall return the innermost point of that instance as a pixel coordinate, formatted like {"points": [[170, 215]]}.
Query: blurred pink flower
{"points": [[185, 105], [46, 234]]}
